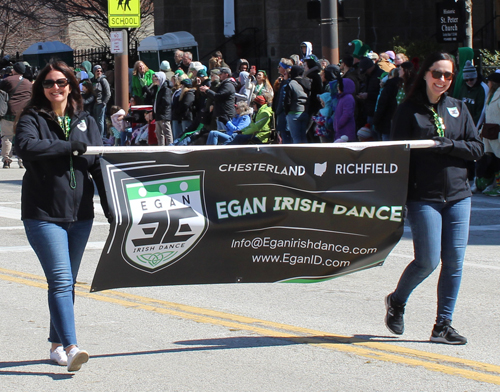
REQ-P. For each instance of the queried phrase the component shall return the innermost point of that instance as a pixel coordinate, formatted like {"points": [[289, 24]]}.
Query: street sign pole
{"points": [[122, 15], [121, 75]]}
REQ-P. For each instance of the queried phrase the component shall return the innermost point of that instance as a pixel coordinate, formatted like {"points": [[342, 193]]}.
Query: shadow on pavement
{"points": [[13, 364]]}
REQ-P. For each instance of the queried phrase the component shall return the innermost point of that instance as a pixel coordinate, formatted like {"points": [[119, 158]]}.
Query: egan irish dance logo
{"points": [[167, 219]]}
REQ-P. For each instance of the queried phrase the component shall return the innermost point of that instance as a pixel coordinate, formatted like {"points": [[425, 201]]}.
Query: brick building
{"points": [[267, 30]]}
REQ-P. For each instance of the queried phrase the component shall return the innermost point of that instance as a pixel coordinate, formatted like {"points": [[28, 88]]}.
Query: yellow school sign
{"points": [[124, 13]]}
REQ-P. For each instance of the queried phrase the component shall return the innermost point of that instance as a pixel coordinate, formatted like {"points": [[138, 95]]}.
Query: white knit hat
{"points": [[165, 66]]}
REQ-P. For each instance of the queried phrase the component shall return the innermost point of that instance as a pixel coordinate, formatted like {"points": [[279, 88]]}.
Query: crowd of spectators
{"points": [[311, 100]]}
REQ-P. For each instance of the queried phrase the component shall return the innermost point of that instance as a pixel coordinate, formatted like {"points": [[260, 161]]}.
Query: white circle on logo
{"points": [[163, 189], [184, 186], [143, 192]]}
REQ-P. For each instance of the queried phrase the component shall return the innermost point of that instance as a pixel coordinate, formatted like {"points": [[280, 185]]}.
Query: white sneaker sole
{"points": [[77, 361]]}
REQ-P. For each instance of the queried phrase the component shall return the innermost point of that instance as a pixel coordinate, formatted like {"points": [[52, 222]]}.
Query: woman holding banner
{"points": [[439, 195], [57, 195]]}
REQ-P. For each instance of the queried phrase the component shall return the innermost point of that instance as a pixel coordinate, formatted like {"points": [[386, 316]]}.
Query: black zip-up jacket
{"points": [[386, 106], [297, 93], [164, 103], [186, 106], [372, 88], [163, 99], [438, 174], [316, 89], [46, 192], [224, 99]]}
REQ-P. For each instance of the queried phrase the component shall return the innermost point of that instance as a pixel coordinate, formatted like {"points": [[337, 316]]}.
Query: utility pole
{"points": [[330, 31]]}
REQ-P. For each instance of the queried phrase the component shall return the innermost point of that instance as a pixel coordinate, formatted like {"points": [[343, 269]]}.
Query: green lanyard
{"points": [[439, 122], [65, 124]]}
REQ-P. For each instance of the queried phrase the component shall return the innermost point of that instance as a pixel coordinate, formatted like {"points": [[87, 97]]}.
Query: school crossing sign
{"points": [[124, 14]]}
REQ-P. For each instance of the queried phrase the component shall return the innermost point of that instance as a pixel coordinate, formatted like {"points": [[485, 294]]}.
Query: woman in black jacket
{"points": [[185, 106], [57, 195], [439, 195]]}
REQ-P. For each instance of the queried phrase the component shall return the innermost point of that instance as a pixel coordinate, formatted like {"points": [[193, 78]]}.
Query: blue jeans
{"points": [[176, 129], [60, 247], [213, 137], [220, 125], [99, 117], [297, 124], [282, 128], [125, 136], [440, 232], [241, 139]]}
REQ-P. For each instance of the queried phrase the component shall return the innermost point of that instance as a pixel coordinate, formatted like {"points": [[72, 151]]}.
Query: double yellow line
{"points": [[473, 370]]}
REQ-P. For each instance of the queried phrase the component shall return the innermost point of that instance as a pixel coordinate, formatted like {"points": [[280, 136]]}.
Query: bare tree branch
{"points": [[25, 21], [95, 12], [21, 23]]}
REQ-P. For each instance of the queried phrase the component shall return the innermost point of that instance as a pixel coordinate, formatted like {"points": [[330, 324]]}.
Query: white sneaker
{"points": [[489, 187], [76, 358], [59, 356]]}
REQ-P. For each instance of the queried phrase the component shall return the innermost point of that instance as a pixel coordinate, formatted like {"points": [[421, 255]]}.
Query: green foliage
{"points": [[398, 45], [490, 61], [418, 48]]}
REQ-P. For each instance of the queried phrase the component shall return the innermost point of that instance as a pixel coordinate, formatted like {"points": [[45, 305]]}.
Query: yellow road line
{"points": [[478, 371]]}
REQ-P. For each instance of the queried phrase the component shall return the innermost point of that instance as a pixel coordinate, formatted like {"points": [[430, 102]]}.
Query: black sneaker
{"points": [[445, 333], [6, 163], [394, 316]]}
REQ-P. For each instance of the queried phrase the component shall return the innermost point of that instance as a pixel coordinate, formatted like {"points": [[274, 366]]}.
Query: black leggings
{"points": [[487, 166]]}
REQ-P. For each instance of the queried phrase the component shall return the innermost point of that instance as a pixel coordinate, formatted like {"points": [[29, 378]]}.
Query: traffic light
{"points": [[314, 9]]}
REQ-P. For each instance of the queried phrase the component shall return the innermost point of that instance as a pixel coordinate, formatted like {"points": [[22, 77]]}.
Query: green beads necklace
{"points": [[65, 124], [438, 122]]}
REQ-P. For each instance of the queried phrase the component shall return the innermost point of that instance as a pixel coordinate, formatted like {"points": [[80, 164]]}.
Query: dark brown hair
{"points": [[40, 102], [418, 92]]}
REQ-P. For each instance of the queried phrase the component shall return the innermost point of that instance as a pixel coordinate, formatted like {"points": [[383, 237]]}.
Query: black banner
{"points": [[250, 214]]}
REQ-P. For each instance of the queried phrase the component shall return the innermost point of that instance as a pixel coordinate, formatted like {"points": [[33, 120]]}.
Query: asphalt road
{"points": [[326, 336]]}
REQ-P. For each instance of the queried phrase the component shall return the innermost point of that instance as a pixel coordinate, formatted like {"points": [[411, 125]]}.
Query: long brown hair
{"points": [[417, 91], [40, 102], [494, 87]]}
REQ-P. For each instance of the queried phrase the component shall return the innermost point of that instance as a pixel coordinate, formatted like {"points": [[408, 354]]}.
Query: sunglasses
{"points": [[438, 74], [49, 83], [469, 80]]}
